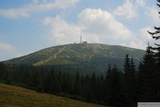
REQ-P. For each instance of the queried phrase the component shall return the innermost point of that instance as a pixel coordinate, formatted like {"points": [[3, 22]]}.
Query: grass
{"points": [[13, 96]]}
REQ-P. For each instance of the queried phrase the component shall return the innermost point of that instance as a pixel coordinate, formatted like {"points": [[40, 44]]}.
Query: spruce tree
{"points": [[156, 35], [146, 77], [130, 80], [127, 75], [108, 83], [49, 82], [127, 65], [77, 84], [2, 70], [116, 92]]}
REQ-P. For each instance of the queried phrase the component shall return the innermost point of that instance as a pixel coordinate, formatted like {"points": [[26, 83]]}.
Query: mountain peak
{"points": [[84, 54]]}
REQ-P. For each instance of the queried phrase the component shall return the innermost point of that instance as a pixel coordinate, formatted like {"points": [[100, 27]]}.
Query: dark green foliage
{"points": [[148, 77], [2, 70], [77, 85], [130, 80], [149, 70], [49, 83], [116, 88]]}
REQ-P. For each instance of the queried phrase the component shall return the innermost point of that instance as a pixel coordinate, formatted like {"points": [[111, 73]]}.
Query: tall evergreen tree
{"points": [[130, 80], [127, 65], [77, 85], [146, 75], [107, 83], [116, 94], [156, 35], [134, 80], [140, 81], [49, 82], [2, 70], [93, 86]]}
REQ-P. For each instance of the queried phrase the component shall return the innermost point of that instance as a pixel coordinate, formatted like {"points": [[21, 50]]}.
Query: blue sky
{"points": [[27, 26]]}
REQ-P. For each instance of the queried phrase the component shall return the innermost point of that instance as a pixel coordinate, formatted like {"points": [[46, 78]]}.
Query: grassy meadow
{"points": [[13, 96]]}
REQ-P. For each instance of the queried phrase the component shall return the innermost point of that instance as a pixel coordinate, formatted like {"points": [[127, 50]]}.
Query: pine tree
{"points": [[107, 83], [2, 70], [116, 92], [156, 35], [133, 80], [127, 74], [130, 80], [146, 77], [127, 66], [49, 82], [108, 73], [140, 81], [77, 85], [93, 85]]}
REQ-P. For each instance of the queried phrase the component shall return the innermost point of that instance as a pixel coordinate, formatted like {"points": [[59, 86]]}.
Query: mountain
{"points": [[82, 57]]}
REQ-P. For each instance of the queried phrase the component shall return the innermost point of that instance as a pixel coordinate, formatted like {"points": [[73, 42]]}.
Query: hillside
{"points": [[80, 56], [12, 96]]}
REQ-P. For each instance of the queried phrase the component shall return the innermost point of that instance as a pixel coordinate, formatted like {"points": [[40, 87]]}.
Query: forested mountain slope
{"points": [[91, 57]]}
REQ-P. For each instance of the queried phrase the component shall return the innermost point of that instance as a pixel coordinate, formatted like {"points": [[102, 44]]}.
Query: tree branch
{"points": [[153, 33], [157, 44], [158, 4], [157, 28]]}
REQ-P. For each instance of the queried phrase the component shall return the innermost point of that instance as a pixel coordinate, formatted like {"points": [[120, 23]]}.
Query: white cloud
{"points": [[62, 32], [128, 10], [96, 25], [146, 36], [35, 1], [7, 51], [152, 12], [135, 43], [37, 6], [62, 4], [14, 13], [143, 38], [139, 44], [102, 24], [8, 47], [141, 3]]}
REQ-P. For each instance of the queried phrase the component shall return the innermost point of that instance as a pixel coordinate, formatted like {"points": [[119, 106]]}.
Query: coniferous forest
{"points": [[117, 87]]}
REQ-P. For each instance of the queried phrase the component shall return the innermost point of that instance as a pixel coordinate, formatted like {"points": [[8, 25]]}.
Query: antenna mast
{"points": [[80, 37]]}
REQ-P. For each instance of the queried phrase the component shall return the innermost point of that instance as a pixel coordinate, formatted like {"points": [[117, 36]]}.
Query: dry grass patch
{"points": [[12, 96]]}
